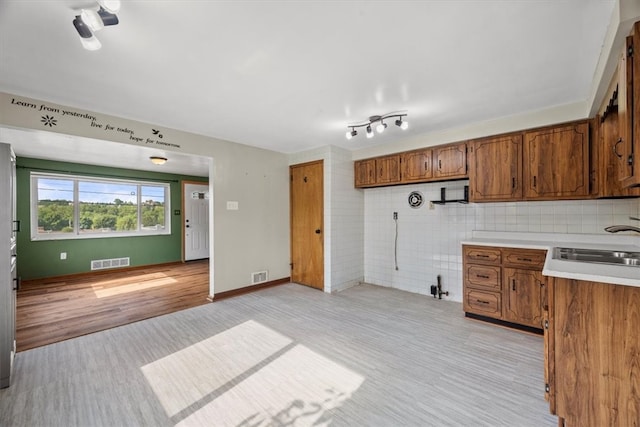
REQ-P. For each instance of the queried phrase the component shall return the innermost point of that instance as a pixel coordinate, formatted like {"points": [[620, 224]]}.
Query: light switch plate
{"points": [[232, 206]]}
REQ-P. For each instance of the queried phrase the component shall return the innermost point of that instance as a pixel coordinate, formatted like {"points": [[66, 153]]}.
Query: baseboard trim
{"points": [[503, 323], [248, 289], [63, 277]]}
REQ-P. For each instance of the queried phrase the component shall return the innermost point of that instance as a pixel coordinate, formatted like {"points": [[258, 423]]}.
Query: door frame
{"points": [[322, 225], [182, 213]]}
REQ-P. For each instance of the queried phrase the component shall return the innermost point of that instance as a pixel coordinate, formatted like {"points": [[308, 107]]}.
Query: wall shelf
{"points": [[443, 197]]}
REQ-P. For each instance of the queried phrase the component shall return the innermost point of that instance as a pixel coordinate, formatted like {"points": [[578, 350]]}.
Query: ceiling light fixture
{"points": [[89, 21], [381, 125], [157, 160]]}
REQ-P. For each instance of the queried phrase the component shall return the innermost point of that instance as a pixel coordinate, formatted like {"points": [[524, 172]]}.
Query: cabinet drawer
{"points": [[483, 276], [482, 254], [483, 303], [524, 258]]}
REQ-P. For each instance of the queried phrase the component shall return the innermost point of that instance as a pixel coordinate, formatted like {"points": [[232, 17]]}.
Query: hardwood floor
{"points": [[52, 310], [288, 355]]}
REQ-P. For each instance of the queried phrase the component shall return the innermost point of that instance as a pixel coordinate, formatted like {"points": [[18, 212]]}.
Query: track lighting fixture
{"points": [[90, 20], [381, 125]]}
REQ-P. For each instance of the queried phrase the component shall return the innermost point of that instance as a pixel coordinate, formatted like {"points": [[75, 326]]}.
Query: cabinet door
{"points": [[609, 168], [416, 166], [365, 172], [495, 169], [556, 162], [629, 110], [450, 161], [388, 169], [524, 296]]}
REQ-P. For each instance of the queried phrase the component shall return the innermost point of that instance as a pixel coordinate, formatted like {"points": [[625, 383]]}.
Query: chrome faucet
{"points": [[617, 228]]}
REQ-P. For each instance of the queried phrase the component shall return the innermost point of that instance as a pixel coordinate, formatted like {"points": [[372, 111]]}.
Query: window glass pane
{"points": [[107, 207], [153, 207], [55, 206]]}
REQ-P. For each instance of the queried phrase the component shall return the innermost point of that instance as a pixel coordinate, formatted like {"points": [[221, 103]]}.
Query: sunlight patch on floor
{"points": [[299, 388], [102, 292], [187, 376], [250, 375]]}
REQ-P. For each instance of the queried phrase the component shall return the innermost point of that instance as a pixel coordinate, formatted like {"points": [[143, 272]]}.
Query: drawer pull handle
{"points": [[525, 259], [482, 276], [513, 284], [482, 302], [482, 256]]}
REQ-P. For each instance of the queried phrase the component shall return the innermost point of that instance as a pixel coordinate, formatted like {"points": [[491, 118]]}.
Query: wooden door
{"points": [[524, 296], [416, 166], [495, 169], [556, 162], [307, 227], [450, 161], [196, 220]]}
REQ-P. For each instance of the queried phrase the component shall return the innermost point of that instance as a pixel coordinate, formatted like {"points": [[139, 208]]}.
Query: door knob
{"points": [[318, 231]]}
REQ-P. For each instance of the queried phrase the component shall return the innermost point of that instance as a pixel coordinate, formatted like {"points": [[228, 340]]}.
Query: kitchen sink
{"points": [[597, 256]]}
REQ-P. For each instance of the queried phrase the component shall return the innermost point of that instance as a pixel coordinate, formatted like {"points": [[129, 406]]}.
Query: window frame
{"points": [[34, 176]]}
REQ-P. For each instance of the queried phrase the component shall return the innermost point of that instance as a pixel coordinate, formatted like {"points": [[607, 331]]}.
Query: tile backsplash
{"points": [[428, 240]]}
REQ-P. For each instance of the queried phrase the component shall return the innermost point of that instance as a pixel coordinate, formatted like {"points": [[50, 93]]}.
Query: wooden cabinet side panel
{"points": [[597, 353], [495, 169]]}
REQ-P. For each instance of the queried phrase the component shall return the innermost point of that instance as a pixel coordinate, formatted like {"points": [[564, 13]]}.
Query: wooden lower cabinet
{"points": [[505, 284], [592, 353]]}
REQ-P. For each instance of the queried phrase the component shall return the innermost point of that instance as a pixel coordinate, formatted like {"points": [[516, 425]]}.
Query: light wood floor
{"points": [[288, 355], [50, 310]]}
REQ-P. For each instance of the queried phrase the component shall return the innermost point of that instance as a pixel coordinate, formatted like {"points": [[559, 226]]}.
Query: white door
{"points": [[196, 221]]}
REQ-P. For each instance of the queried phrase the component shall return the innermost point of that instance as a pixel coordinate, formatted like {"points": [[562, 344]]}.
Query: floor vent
{"points": [[100, 264], [259, 277]]}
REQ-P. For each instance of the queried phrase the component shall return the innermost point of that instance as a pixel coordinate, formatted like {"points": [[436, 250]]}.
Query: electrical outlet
{"points": [[63, 255], [395, 215]]}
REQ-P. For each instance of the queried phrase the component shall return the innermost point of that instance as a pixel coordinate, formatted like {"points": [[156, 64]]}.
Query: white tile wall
{"points": [[429, 240]]}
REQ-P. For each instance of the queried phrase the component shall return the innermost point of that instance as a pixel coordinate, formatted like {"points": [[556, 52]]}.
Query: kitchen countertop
{"points": [[593, 272]]}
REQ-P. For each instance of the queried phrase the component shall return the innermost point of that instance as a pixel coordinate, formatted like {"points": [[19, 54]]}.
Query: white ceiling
{"points": [[290, 75]]}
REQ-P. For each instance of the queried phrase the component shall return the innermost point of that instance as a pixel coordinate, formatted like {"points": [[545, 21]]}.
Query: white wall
{"points": [[253, 238], [343, 218], [429, 240]]}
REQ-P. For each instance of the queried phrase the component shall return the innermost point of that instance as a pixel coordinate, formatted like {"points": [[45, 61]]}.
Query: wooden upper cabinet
{"points": [[495, 168], [377, 172], [365, 172], [629, 110], [450, 161], [388, 169], [556, 162], [417, 166]]}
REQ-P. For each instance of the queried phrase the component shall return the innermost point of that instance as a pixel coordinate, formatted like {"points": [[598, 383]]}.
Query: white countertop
{"points": [[605, 273]]}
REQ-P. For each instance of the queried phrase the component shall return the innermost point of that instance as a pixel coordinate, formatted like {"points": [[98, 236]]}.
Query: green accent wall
{"points": [[38, 259]]}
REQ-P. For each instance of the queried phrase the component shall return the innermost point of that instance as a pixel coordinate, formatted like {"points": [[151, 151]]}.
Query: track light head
{"points": [[107, 17], [351, 133], [88, 40], [402, 124], [92, 19], [369, 132], [381, 127]]}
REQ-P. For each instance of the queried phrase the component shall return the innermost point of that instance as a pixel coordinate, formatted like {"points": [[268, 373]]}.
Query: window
{"points": [[70, 207]]}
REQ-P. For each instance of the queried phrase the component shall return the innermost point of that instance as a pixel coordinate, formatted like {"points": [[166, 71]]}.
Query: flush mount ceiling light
{"points": [[381, 125], [91, 20], [157, 160]]}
